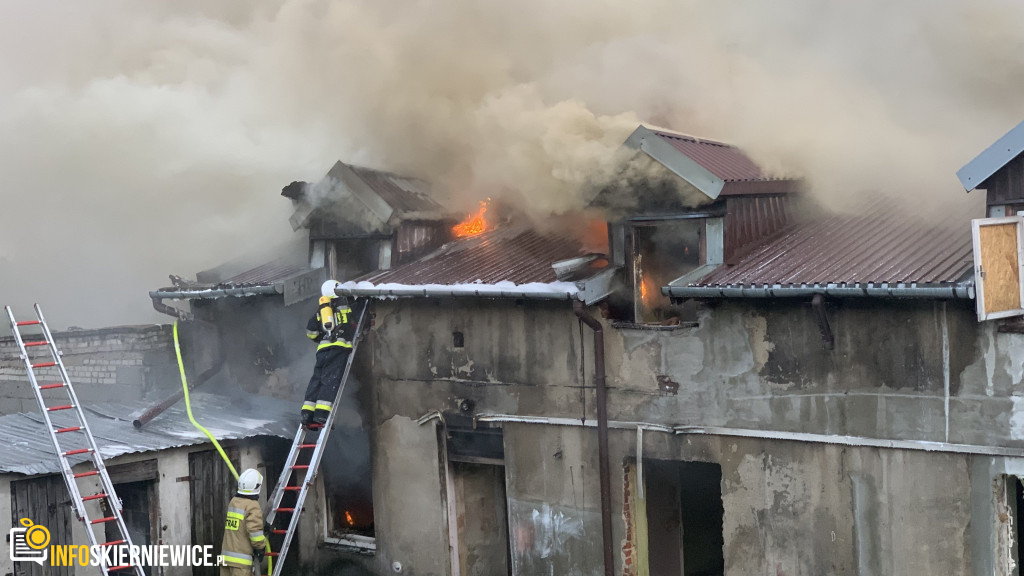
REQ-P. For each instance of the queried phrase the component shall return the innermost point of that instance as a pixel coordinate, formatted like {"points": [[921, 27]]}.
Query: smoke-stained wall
{"points": [[803, 508]]}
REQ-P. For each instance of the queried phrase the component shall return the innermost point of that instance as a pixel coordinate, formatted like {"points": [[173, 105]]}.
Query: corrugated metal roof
{"points": [[401, 193], [723, 160], [27, 448], [266, 274], [881, 245], [510, 254]]}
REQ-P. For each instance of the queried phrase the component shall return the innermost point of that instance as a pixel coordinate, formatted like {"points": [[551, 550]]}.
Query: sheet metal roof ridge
{"points": [[991, 159], [28, 449]]}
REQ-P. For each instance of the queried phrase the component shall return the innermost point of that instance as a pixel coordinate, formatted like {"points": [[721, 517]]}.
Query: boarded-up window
{"points": [[997, 267], [45, 501]]}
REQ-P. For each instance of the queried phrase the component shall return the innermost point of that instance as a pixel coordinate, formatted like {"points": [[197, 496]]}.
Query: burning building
{"points": [[705, 381]]}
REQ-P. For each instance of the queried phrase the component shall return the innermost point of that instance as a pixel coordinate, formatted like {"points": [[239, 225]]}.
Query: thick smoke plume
{"points": [[142, 138]]}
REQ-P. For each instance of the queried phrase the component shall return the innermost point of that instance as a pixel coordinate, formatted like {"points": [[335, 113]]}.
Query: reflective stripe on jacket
{"points": [[342, 334], [243, 531]]}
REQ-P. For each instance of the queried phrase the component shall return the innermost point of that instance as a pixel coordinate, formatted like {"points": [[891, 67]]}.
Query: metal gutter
{"points": [[855, 441], [934, 291], [210, 293], [479, 291]]}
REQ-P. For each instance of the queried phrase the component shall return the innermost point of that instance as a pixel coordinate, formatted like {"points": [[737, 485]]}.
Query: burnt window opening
{"points": [[346, 472], [684, 518], [663, 251], [458, 340]]}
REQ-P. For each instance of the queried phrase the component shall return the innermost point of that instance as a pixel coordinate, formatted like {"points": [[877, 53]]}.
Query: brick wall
{"points": [[122, 363]]}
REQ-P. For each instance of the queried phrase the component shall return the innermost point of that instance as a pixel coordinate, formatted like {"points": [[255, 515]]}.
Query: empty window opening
{"points": [[458, 340], [348, 485], [662, 252], [684, 518]]}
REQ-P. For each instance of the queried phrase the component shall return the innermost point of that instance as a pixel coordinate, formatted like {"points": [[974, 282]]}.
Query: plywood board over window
{"points": [[998, 261]]}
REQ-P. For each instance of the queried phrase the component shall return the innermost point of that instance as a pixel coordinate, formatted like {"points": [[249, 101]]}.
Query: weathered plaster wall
{"points": [[123, 363], [790, 508], [408, 510]]}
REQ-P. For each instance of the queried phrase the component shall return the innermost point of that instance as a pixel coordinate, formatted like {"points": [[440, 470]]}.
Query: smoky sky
{"points": [[139, 139]]}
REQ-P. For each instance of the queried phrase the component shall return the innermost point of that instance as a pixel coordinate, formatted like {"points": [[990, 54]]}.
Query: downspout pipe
{"points": [[602, 434]]}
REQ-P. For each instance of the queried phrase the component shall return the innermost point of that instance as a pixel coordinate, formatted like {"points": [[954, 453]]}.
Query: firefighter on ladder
{"points": [[333, 332], [244, 538]]}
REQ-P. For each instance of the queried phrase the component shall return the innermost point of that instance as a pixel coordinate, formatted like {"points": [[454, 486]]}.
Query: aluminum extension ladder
{"points": [[75, 435], [309, 470]]}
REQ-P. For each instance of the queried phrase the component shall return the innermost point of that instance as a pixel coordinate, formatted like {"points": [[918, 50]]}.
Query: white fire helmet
{"points": [[250, 483], [327, 288]]}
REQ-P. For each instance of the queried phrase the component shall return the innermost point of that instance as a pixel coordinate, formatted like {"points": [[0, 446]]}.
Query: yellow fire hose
{"points": [[188, 409]]}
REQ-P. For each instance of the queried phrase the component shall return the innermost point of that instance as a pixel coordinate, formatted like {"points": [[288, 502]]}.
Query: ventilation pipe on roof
{"points": [[602, 434], [171, 400]]}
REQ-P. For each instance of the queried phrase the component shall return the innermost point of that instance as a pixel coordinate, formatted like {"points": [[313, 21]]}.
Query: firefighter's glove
{"points": [[258, 554]]}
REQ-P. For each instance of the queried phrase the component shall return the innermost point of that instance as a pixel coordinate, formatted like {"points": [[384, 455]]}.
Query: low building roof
{"points": [[506, 262], [879, 252], [28, 450]]}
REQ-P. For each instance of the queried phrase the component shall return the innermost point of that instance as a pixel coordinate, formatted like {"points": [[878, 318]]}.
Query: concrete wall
{"points": [[900, 370], [122, 363]]}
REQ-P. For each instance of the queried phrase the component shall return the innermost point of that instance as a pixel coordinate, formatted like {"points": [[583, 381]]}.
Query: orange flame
{"points": [[348, 518], [647, 294], [474, 224]]}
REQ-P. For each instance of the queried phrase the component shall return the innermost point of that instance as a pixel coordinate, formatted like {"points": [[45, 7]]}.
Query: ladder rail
{"points": [[107, 486], [65, 466], [278, 494], [314, 462]]}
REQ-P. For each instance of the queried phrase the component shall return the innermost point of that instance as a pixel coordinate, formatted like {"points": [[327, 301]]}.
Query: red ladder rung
{"points": [[37, 343], [286, 509], [307, 445], [94, 497], [51, 386], [301, 466], [79, 451], [315, 426], [274, 554], [114, 543], [27, 323], [278, 531], [55, 408], [71, 429], [89, 473], [113, 568], [44, 365], [293, 487], [101, 520]]}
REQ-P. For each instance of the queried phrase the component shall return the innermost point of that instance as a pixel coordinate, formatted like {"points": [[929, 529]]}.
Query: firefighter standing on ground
{"points": [[243, 529], [331, 330]]}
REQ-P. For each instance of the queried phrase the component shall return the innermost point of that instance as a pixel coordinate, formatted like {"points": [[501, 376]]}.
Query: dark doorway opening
{"points": [[684, 518], [1018, 520]]}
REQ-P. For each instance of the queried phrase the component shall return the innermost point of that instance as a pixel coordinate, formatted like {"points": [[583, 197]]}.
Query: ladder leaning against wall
{"points": [[71, 440], [307, 471]]}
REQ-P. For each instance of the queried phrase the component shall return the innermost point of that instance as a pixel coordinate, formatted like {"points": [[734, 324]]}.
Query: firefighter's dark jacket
{"points": [[343, 332]]}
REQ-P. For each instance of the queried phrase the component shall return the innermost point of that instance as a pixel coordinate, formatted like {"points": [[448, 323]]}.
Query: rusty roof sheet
{"points": [[509, 254], [723, 160], [880, 245], [402, 193]]}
